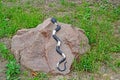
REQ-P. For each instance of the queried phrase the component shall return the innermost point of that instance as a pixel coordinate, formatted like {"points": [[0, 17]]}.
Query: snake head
{"points": [[53, 20]]}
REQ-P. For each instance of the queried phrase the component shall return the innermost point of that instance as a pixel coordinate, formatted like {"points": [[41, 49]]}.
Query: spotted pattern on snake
{"points": [[54, 21]]}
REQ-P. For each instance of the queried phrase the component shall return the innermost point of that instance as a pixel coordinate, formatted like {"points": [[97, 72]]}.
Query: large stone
{"points": [[35, 48]]}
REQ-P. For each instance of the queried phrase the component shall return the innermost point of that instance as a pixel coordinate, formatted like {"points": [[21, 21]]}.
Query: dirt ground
{"points": [[2, 68]]}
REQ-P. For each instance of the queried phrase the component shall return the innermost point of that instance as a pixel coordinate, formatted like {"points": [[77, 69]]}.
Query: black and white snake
{"points": [[54, 21]]}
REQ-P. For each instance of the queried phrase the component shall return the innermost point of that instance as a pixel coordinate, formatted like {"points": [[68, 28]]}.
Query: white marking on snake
{"points": [[63, 55], [58, 44], [54, 31], [56, 24], [58, 64]]}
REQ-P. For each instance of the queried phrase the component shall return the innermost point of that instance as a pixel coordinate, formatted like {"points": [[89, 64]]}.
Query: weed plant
{"points": [[13, 68]]}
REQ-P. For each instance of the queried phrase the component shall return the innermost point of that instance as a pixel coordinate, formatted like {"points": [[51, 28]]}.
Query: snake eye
{"points": [[53, 20]]}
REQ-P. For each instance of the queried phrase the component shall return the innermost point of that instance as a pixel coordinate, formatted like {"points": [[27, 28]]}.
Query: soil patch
{"points": [[2, 68]]}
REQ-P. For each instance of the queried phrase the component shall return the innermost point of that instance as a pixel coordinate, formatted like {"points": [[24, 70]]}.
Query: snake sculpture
{"points": [[58, 50]]}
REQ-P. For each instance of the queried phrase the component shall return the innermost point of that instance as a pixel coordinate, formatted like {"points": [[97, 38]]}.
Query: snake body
{"points": [[54, 21]]}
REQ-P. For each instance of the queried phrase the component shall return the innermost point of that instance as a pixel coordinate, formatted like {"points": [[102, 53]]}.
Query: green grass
{"points": [[117, 63], [40, 76], [17, 17], [13, 68], [96, 19], [97, 23]]}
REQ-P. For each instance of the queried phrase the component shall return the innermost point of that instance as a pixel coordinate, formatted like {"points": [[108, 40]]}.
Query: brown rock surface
{"points": [[35, 48]]}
